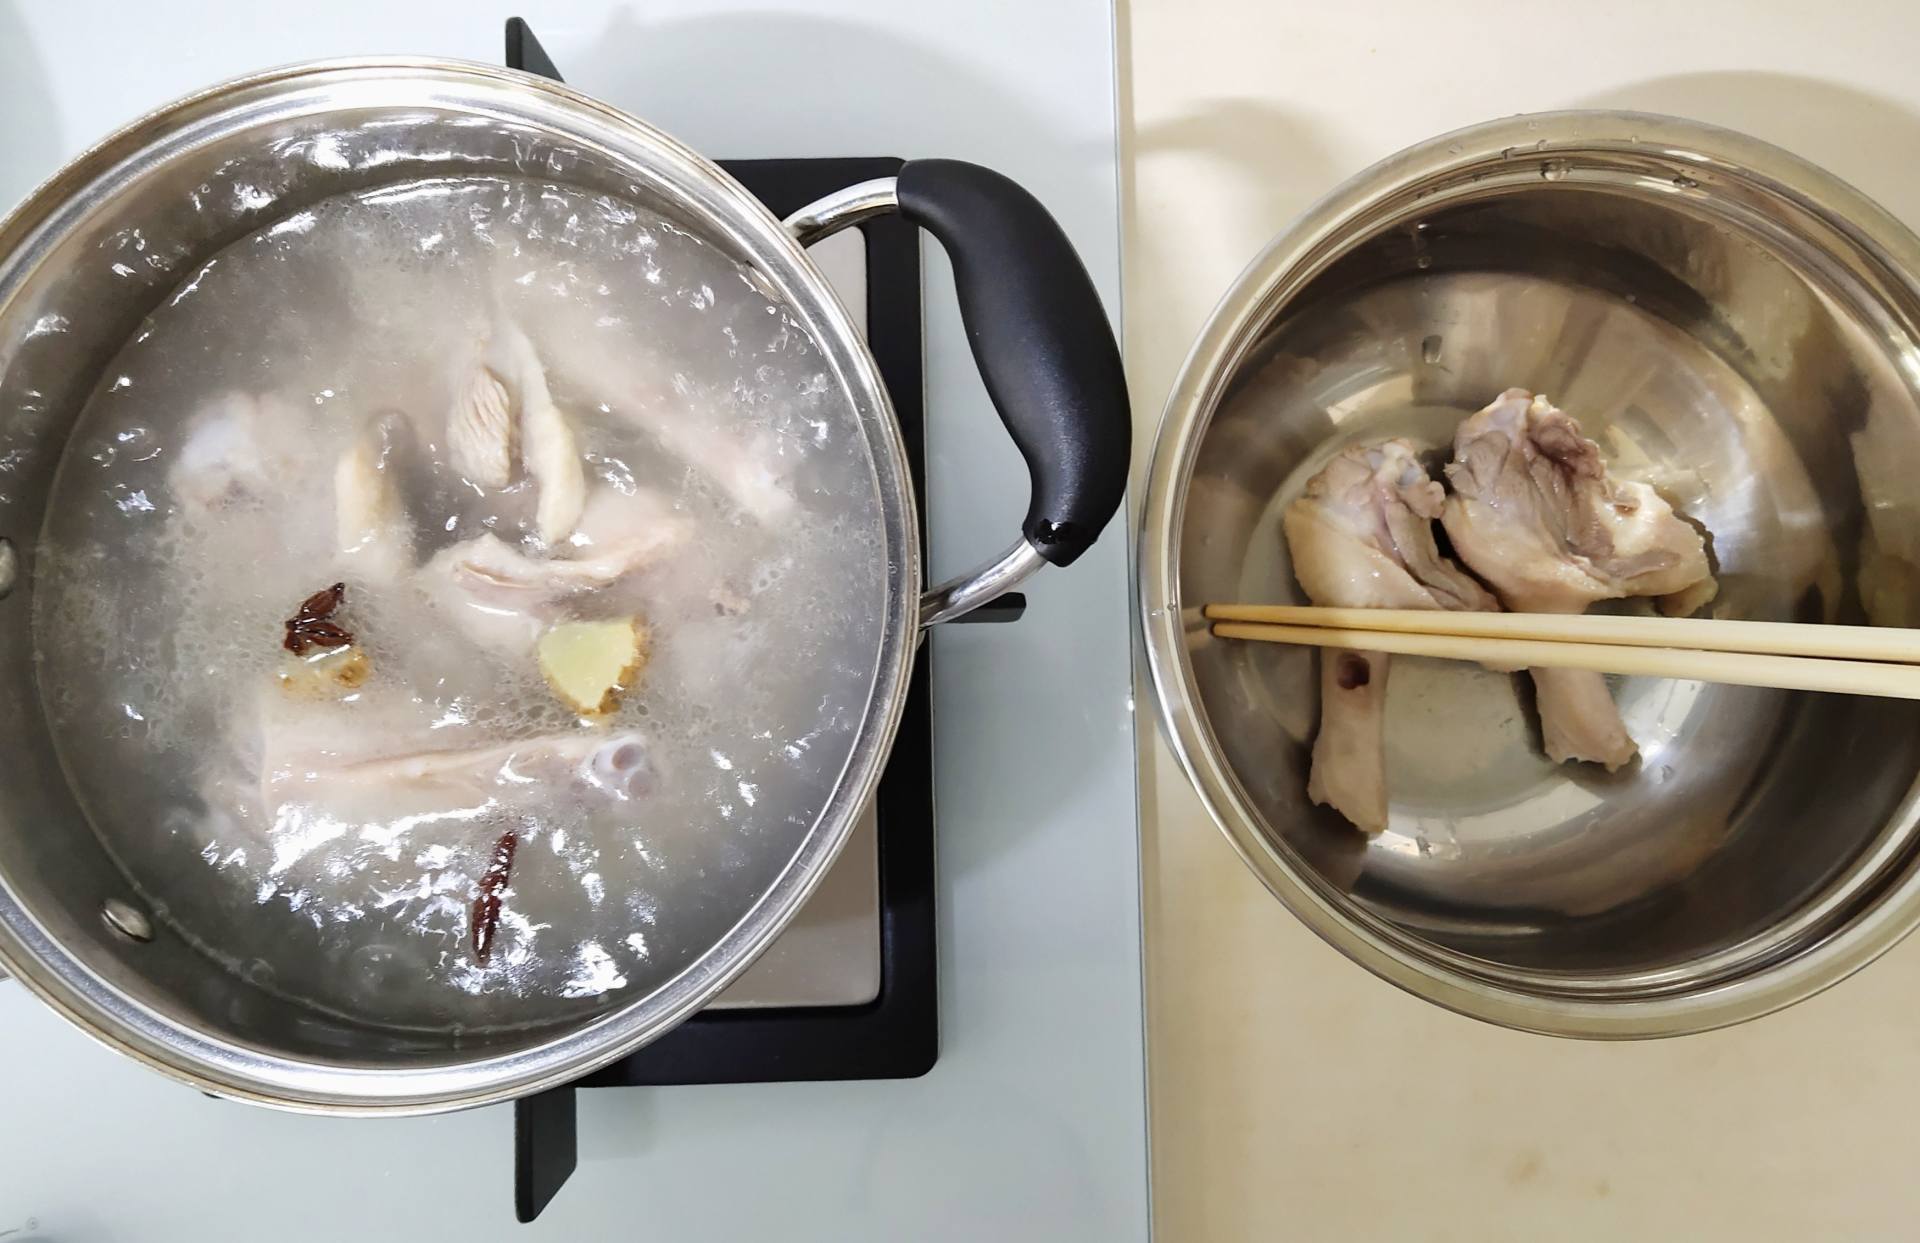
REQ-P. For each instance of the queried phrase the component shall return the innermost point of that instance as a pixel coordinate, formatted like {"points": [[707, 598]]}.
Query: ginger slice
{"points": [[589, 664]]}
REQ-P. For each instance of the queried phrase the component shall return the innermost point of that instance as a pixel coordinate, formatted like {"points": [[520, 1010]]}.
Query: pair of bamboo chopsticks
{"points": [[1844, 660]]}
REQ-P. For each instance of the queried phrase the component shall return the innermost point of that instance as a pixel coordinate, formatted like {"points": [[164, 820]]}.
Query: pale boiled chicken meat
{"points": [[407, 772], [744, 465], [1535, 514], [501, 598], [327, 790], [1362, 537], [244, 459], [238, 451], [548, 449], [480, 431], [622, 531], [373, 535], [743, 469]]}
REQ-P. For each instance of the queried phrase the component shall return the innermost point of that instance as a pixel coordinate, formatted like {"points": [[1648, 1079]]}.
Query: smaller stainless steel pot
{"points": [[1735, 326]]}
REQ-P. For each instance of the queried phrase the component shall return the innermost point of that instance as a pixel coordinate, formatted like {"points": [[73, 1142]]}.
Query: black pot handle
{"points": [[1043, 345]]}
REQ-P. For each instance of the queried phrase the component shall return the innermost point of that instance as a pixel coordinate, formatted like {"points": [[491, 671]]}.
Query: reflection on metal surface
{"points": [[830, 954], [1735, 328], [820, 220], [126, 919], [959, 596]]}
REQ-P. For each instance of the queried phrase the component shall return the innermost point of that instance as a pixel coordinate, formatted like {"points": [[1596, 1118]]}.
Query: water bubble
{"points": [[1555, 170]]}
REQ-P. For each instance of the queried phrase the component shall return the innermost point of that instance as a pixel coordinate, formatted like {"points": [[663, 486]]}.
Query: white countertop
{"points": [[1295, 1096], [1032, 1124]]}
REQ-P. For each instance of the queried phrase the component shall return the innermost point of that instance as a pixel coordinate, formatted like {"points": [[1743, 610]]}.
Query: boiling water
{"points": [[195, 510]]}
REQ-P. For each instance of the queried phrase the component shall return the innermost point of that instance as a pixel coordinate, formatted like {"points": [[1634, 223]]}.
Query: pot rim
{"points": [[1477, 161], [226, 1068]]}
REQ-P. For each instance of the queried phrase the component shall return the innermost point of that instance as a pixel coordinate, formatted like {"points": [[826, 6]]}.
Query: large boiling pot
{"points": [[207, 170]]}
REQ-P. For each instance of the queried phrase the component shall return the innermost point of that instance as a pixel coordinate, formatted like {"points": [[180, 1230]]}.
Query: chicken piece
{"points": [[679, 416], [480, 440], [502, 599], [238, 451], [1579, 720], [496, 595], [1535, 514], [396, 746], [622, 533], [333, 785], [1362, 537], [549, 451], [372, 533], [619, 535], [553, 460], [744, 469], [617, 764]]}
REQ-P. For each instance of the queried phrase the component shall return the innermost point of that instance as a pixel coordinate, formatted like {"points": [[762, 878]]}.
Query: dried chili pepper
{"points": [[309, 627], [486, 907]]}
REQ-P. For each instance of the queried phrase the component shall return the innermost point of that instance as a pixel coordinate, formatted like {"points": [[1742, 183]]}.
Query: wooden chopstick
{"points": [[1801, 673], [1885, 643]]}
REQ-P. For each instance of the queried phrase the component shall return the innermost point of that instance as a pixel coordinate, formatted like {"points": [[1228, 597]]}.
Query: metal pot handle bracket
{"points": [[1041, 340]]}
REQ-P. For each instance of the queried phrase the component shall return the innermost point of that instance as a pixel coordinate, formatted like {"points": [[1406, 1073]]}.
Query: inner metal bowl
{"points": [[1733, 326]]}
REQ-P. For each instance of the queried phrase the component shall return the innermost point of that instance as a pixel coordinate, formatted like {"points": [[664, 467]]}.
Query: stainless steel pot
{"points": [[1733, 325], [92, 251]]}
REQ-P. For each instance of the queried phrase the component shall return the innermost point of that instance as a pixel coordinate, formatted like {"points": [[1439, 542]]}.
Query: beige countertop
{"points": [[1293, 1095]]}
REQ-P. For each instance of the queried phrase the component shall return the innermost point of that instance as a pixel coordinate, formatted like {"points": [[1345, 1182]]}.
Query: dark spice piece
{"points": [[325, 634], [486, 907], [322, 603], [309, 628]]}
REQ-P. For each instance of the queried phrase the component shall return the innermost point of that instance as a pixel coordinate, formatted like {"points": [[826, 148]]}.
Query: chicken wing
{"points": [[1535, 514], [502, 599], [1362, 537]]}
